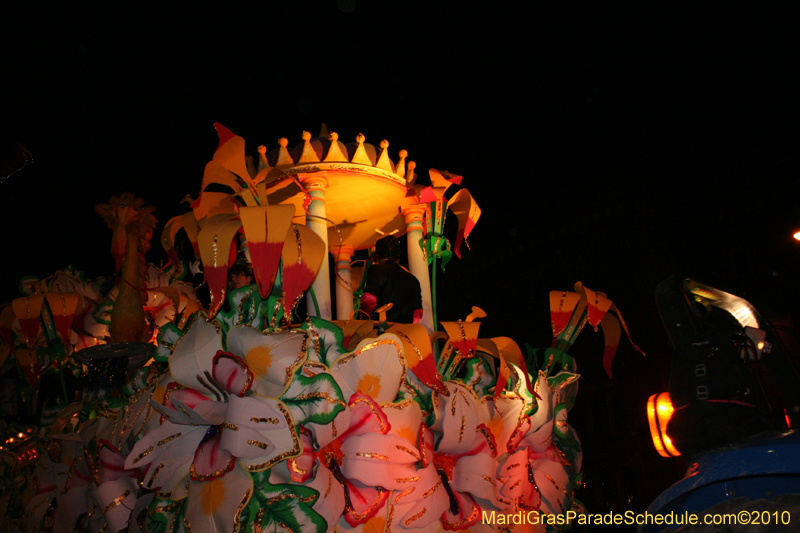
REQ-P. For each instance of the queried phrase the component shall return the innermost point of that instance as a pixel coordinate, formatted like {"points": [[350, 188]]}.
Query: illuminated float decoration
{"points": [[659, 413], [245, 421], [63, 314]]}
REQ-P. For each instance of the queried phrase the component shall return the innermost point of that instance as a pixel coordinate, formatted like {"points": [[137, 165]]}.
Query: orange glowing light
{"points": [[797, 236], [659, 411]]}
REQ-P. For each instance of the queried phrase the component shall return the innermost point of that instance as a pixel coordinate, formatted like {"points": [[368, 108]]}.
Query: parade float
{"points": [[251, 416]]}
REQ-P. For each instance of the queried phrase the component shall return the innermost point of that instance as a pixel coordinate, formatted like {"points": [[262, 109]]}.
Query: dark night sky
{"points": [[612, 144]]}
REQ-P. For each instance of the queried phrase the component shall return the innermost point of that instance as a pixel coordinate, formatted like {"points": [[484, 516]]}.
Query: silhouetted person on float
{"points": [[388, 282]]}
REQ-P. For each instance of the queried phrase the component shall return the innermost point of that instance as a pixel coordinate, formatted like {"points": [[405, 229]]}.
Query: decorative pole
{"points": [[343, 254], [315, 185], [417, 264]]}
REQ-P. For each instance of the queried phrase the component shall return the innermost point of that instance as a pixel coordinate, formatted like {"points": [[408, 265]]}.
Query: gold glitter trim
{"points": [[551, 480], [265, 420], [238, 514], [416, 516], [321, 395], [490, 480], [296, 469], [259, 519], [512, 466], [155, 473], [240, 307], [116, 501], [259, 444], [381, 342], [409, 452], [489, 439], [404, 494], [422, 445], [371, 508], [371, 406], [402, 404], [195, 476], [313, 364], [463, 426], [413, 346], [296, 450], [479, 368], [228, 425], [290, 370], [369, 455], [432, 489], [289, 496], [143, 455], [171, 437]]}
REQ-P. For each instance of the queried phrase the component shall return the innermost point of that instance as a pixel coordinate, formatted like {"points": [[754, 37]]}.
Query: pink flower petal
{"points": [[231, 372], [211, 461]]}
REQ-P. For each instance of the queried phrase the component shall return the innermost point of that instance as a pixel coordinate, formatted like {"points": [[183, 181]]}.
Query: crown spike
{"points": [[383, 160], [335, 154], [284, 159], [412, 177], [262, 158], [361, 156], [323, 132], [261, 172], [308, 155], [401, 165]]}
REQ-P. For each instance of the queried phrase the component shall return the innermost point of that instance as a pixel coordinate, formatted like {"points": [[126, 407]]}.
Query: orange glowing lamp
{"points": [[659, 411]]}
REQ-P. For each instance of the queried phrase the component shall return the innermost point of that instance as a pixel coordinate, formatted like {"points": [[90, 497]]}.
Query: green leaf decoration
{"points": [[168, 335], [413, 389], [102, 314], [521, 387], [138, 381], [281, 508], [479, 376], [552, 361], [244, 308], [435, 245], [327, 341], [569, 382], [315, 399], [165, 515]]}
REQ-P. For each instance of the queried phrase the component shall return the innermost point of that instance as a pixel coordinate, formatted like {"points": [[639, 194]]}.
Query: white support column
{"points": [[316, 184], [343, 254], [417, 263]]}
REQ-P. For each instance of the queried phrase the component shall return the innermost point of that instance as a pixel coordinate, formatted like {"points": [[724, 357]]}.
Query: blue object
{"points": [[765, 465]]}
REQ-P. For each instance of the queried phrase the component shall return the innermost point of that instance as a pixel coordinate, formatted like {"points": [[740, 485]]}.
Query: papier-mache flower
{"points": [[458, 462], [206, 447]]}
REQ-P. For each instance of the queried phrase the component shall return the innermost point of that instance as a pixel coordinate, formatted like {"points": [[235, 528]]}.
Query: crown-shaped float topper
{"points": [[327, 151]]}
